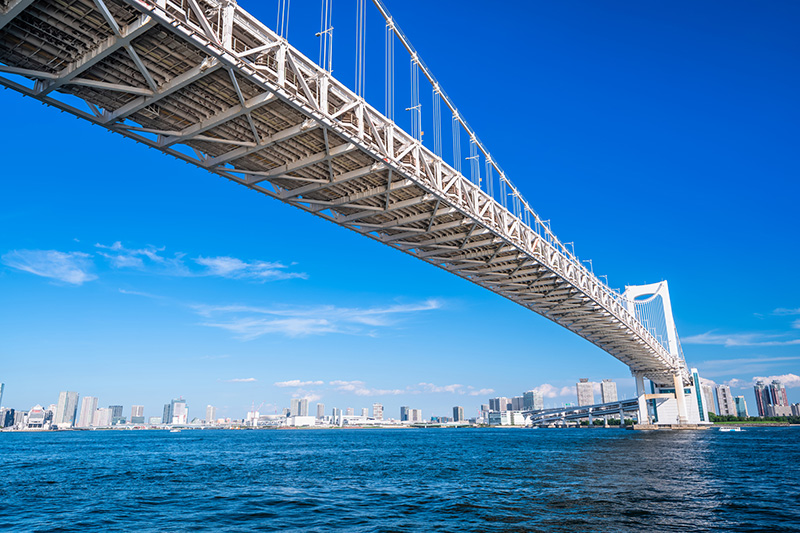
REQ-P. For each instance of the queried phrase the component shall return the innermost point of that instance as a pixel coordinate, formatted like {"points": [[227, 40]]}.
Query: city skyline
{"points": [[149, 286]]}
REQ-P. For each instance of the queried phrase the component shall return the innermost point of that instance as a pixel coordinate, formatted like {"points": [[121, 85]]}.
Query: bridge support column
{"points": [[591, 419], [640, 393], [621, 417], [677, 380]]}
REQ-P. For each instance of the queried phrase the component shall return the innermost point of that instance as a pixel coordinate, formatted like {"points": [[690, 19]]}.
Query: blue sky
{"points": [[660, 137]]}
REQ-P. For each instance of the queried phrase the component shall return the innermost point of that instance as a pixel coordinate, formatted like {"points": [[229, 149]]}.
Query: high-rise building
{"points": [[320, 410], [777, 393], [500, 404], [2, 388], [458, 414], [299, 407], [66, 410], [585, 392], [415, 415], [336, 415], [533, 401], [6, 417], [166, 418], [762, 398], [708, 398], [517, 403], [725, 401], [608, 391], [795, 407], [180, 411], [741, 406], [137, 414], [377, 411], [211, 414], [88, 407], [350, 411], [404, 412], [102, 417], [116, 415]]}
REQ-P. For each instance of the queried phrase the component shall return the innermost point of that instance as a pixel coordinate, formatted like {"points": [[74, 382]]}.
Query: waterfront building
{"points": [[299, 407], [211, 414], [708, 397], [167, 416], [415, 415], [137, 414], [350, 411], [88, 407], [6, 417], [725, 401], [532, 401], [777, 393], [320, 411], [180, 411], [499, 405], [585, 392], [506, 418], [36, 418], [377, 411], [762, 398], [336, 416], [102, 417], [517, 403], [66, 410], [795, 407], [404, 411], [116, 415], [154, 420], [2, 388], [608, 391], [458, 414], [741, 406], [365, 412]]}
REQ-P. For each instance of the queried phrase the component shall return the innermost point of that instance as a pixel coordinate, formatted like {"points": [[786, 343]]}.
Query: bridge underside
{"points": [[207, 83]]}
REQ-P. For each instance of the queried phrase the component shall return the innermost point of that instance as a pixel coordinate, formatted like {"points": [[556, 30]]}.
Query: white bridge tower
{"points": [[670, 401]]}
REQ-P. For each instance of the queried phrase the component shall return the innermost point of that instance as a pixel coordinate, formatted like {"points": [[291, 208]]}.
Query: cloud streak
{"points": [[74, 268], [240, 380], [248, 323], [739, 339]]}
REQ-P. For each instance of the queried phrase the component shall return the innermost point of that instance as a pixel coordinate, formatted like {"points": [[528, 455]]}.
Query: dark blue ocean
{"points": [[401, 480]]}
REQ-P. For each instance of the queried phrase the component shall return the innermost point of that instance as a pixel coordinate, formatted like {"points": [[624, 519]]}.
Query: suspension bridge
{"points": [[206, 82]]}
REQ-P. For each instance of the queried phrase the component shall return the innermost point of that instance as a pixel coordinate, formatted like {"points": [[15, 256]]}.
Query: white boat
{"points": [[730, 429], [174, 430]]}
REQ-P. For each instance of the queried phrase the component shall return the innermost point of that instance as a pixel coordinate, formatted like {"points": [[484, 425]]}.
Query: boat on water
{"points": [[730, 429], [174, 430]]}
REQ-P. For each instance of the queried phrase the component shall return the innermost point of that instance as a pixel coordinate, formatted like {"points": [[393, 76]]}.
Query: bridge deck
{"points": [[206, 82]]}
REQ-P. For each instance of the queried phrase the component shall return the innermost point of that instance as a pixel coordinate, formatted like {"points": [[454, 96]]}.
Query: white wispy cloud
{"points": [[430, 387], [248, 322], [153, 259], [359, 388], [481, 392], [782, 311], [739, 339], [231, 267], [297, 383], [74, 268], [788, 380], [240, 380]]}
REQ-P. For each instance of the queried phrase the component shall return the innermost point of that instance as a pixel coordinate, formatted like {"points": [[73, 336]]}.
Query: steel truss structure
{"points": [[205, 82]]}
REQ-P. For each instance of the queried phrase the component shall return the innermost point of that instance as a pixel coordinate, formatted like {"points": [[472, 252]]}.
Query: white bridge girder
{"points": [[253, 110]]}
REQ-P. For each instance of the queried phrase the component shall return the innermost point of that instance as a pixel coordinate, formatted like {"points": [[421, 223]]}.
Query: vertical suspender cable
{"points": [[416, 108], [437, 121], [326, 36], [360, 30], [283, 18], [489, 178], [389, 74], [474, 162], [456, 143]]}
